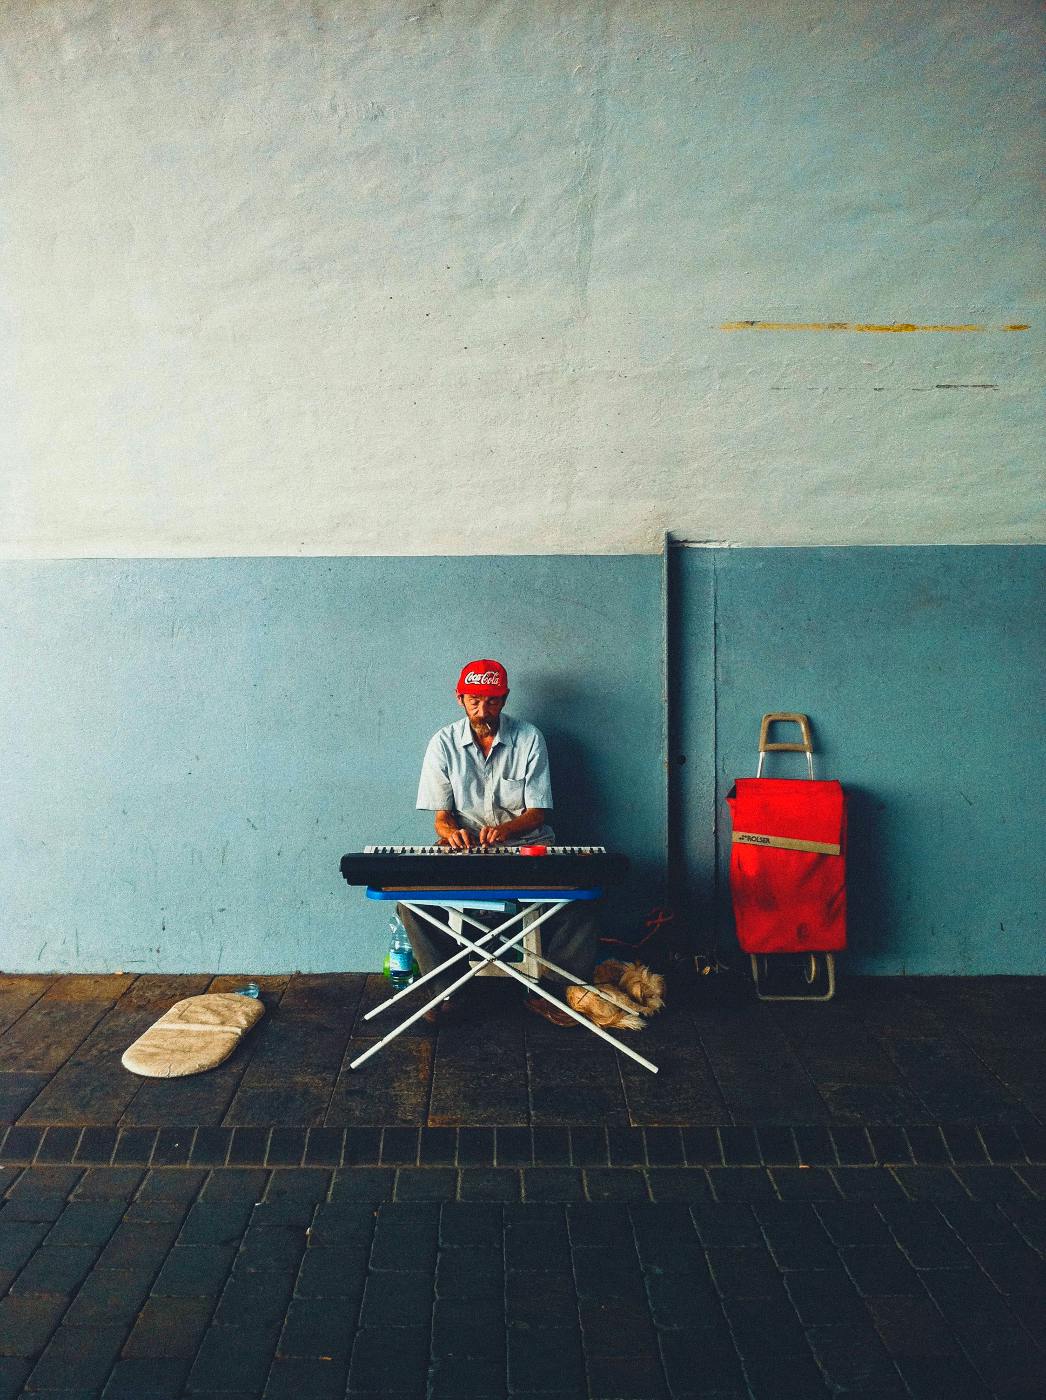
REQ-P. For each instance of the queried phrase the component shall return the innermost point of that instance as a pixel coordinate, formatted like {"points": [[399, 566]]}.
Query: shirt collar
{"points": [[505, 734]]}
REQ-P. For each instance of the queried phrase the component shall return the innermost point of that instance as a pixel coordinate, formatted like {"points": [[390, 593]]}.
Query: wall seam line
{"points": [[716, 912], [666, 717]]}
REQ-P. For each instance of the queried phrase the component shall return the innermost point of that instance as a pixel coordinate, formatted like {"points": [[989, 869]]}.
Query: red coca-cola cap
{"points": [[533, 850], [483, 678]]}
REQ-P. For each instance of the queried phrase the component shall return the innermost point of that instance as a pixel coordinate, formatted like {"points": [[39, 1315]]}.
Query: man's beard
{"points": [[484, 728]]}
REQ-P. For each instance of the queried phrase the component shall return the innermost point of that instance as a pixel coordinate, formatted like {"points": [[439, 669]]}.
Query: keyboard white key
{"points": [[478, 851]]}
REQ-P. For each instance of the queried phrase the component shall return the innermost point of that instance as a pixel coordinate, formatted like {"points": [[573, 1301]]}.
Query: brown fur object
{"points": [[623, 994], [607, 1007], [646, 988]]}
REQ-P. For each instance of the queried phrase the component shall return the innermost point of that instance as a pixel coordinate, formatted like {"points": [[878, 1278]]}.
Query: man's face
{"points": [[484, 712]]}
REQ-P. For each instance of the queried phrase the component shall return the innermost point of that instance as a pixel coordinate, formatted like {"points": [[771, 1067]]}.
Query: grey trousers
{"points": [[569, 938]]}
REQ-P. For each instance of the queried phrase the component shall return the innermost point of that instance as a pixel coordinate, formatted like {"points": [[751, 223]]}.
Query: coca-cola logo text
{"points": [[482, 678]]}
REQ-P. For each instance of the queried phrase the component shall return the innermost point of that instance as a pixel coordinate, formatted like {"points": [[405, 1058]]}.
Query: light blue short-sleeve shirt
{"points": [[455, 776]]}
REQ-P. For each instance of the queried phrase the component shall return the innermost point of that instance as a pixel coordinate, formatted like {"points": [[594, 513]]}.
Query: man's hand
{"points": [[450, 834], [458, 838], [528, 820]]}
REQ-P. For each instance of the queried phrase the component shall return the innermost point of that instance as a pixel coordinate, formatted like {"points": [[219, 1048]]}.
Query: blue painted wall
{"points": [[187, 747], [922, 672]]}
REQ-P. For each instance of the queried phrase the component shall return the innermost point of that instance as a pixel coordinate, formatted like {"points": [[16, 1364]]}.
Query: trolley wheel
{"points": [[760, 967], [811, 968]]}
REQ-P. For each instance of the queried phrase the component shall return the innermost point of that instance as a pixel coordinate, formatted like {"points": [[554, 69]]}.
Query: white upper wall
{"points": [[394, 278]]}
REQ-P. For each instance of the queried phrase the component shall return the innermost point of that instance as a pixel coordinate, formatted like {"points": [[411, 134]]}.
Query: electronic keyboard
{"points": [[483, 867]]}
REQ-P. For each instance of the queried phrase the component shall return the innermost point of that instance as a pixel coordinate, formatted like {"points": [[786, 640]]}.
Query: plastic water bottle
{"points": [[250, 989], [400, 960]]}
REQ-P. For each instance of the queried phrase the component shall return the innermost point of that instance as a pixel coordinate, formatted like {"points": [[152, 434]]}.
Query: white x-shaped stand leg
{"points": [[497, 955]]}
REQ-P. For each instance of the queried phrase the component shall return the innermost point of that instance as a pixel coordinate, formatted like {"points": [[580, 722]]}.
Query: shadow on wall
{"points": [[584, 804], [585, 725], [871, 926], [579, 796]]}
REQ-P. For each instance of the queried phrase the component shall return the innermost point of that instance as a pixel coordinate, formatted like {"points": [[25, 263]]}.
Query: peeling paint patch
{"points": [[876, 388], [894, 328]]}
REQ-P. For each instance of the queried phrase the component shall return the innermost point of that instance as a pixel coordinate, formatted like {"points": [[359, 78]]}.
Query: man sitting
{"points": [[486, 780]]}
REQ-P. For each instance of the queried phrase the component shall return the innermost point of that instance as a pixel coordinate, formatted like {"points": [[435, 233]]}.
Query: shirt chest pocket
{"points": [[511, 794]]}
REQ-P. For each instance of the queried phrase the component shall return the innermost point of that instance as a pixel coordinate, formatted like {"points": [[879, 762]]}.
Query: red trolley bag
{"points": [[788, 868]]}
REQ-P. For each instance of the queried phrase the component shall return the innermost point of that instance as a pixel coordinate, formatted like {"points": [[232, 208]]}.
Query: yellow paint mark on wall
{"points": [[894, 328]]}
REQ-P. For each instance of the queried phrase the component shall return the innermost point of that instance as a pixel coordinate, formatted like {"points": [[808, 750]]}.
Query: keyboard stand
{"points": [[423, 901], [527, 953]]}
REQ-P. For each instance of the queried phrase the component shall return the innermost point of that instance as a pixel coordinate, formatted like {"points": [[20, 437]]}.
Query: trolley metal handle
{"points": [[765, 747]]}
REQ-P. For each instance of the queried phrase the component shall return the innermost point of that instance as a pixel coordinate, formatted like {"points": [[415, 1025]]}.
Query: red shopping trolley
{"points": [[788, 870]]}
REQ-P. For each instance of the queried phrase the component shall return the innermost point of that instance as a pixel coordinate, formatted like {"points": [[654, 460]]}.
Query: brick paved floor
{"points": [[848, 1199], [886, 1051]]}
